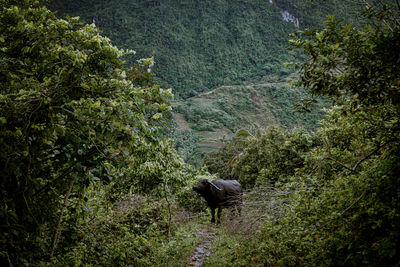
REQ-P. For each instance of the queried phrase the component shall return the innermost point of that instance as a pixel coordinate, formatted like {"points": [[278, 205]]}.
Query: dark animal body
{"points": [[220, 194]]}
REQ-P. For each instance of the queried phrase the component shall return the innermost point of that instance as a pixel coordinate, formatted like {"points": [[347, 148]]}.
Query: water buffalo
{"points": [[220, 193]]}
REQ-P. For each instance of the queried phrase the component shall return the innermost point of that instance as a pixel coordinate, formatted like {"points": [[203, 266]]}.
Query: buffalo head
{"points": [[204, 185]]}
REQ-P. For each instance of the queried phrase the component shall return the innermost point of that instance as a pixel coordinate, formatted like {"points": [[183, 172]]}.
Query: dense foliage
{"points": [[262, 159], [200, 45], [341, 201], [72, 115], [197, 45], [88, 177]]}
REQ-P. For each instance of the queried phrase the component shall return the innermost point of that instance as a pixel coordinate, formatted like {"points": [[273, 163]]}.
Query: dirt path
{"points": [[203, 251]]}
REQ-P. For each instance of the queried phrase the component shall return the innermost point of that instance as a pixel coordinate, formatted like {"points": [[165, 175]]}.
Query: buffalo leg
{"points": [[234, 211], [219, 215], [239, 210], [212, 215]]}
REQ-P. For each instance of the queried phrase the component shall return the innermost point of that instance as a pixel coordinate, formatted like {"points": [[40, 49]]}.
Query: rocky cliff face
{"points": [[286, 16]]}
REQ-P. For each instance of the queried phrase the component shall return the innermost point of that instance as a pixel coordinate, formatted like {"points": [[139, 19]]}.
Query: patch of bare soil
{"points": [[183, 125], [216, 144], [257, 100], [203, 251]]}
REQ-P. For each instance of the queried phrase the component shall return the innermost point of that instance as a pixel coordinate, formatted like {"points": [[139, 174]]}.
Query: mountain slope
{"points": [[223, 59], [216, 115], [200, 45]]}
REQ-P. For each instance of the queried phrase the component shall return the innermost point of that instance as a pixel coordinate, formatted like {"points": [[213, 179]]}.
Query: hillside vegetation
{"points": [[329, 198], [200, 45], [82, 155], [89, 177], [236, 49], [215, 116]]}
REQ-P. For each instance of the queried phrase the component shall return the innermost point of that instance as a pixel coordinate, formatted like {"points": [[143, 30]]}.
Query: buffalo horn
{"points": [[215, 186]]}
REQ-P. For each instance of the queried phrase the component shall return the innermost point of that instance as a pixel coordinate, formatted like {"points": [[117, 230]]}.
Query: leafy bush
{"points": [[271, 155], [71, 115], [133, 231], [185, 143], [342, 203], [341, 217], [189, 200]]}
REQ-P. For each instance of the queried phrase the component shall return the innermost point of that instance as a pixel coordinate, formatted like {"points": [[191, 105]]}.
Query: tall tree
{"points": [[69, 111]]}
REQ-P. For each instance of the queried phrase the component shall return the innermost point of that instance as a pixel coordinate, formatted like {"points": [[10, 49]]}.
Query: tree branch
{"points": [[361, 160], [369, 155], [352, 204], [67, 170], [56, 234], [345, 210], [341, 164], [169, 208]]}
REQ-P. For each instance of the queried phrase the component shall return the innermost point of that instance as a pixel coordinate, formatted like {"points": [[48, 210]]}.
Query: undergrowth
{"points": [[134, 231]]}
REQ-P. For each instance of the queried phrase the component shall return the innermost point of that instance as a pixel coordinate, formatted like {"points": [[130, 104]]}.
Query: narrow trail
{"points": [[203, 251], [257, 204]]}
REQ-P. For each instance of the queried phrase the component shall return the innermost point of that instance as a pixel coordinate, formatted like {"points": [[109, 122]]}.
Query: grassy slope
{"points": [[216, 115]]}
